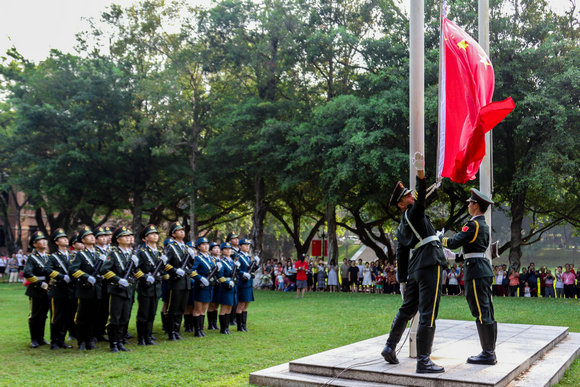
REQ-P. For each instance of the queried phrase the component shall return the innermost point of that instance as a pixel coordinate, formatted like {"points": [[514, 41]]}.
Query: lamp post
{"points": [[323, 235]]}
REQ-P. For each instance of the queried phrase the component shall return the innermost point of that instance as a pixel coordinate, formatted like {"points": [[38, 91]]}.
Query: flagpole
{"points": [[416, 110], [486, 167]]}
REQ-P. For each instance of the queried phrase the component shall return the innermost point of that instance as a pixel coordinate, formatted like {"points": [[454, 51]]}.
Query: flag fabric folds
{"points": [[466, 112]]}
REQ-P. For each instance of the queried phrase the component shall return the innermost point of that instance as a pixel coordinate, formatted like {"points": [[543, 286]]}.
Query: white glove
{"points": [[164, 259], [448, 254], [403, 289], [135, 260], [219, 265], [191, 252], [231, 284], [246, 276], [419, 161], [123, 282], [237, 263], [44, 285], [91, 280], [150, 279], [66, 278], [257, 259], [180, 272], [204, 281], [103, 257], [439, 234]]}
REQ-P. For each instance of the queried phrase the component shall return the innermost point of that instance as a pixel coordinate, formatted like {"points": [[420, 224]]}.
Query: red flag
{"points": [[466, 112]]}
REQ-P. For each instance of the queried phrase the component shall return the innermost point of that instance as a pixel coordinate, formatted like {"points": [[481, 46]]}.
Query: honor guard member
{"points": [[102, 242], [85, 268], [188, 322], [120, 270], [149, 285], [109, 234], [245, 283], [36, 273], [59, 290], [179, 284], [164, 291], [478, 274], [203, 269], [212, 310], [420, 261], [227, 292], [234, 240], [75, 247]]}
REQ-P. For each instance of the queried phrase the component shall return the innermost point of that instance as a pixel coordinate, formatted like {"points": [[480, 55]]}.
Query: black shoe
{"points": [[113, 347], [239, 322], [34, 344], [64, 345], [122, 348], [397, 328], [487, 336], [425, 336], [82, 346], [244, 321], [90, 345], [176, 327], [141, 332], [201, 323], [389, 354], [43, 342], [212, 320], [224, 324], [196, 328], [54, 346]]}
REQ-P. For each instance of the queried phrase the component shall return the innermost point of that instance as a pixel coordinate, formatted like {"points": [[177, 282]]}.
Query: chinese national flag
{"points": [[466, 112]]}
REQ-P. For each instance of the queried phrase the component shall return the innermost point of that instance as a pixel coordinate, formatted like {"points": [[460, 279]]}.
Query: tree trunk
{"points": [[517, 210], [137, 214], [331, 225], [7, 226], [257, 232], [40, 221]]}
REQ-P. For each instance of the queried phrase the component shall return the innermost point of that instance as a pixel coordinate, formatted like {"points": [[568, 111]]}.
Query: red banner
{"points": [[317, 246]]}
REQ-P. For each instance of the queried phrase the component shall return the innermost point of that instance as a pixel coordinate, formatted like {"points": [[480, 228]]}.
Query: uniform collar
{"points": [[477, 216]]}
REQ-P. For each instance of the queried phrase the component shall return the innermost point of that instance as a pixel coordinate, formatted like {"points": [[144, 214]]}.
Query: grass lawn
{"points": [[281, 327]]}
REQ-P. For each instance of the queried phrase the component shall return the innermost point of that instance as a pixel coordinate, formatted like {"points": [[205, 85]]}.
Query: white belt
{"points": [[423, 242], [474, 255], [41, 278]]}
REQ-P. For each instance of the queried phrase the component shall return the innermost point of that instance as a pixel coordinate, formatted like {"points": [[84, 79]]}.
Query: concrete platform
{"points": [[528, 355]]}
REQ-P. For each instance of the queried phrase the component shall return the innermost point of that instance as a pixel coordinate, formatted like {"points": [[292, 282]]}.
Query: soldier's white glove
{"points": [[44, 285], [448, 254], [103, 257], [66, 278], [231, 284], [403, 289], [180, 272], [237, 263], [91, 280], [150, 279], [191, 252], [164, 259], [439, 234], [204, 281], [123, 282], [257, 259], [419, 161], [219, 265], [246, 276], [135, 260]]}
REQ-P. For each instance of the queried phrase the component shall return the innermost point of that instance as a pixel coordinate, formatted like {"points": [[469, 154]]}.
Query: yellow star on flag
{"points": [[463, 44], [485, 60]]}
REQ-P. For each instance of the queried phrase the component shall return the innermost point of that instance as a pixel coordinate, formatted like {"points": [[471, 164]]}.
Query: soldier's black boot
{"points": [[149, 333], [397, 328], [177, 327], [140, 332], [121, 333], [196, 326], [425, 336], [164, 322], [201, 323], [227, 327], [244, 321], [487, 336], [239, 322], [233, 315], [33, 334], [112, 333], [212, 320], [169, 327], [224, 324], [40, 330]]}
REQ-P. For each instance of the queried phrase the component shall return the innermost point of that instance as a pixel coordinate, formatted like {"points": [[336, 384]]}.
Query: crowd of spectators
{"points": [[11, 267]]}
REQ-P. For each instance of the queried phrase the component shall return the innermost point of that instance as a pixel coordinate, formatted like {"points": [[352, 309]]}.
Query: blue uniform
{"points": [[202, 266], [226, 295], [245, 286]]}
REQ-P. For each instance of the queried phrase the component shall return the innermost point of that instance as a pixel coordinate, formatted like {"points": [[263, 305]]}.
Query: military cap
{"points": [[149, 229], [225, 245], [167, 241], [231, 236], [58, 233], [213, 244], [108, 230], [398, 193], [201, 240], [481, 199], [175, 226], [190, 244], [83, 232], [100, 231], [73, 238], [36, 236], [121, 231], [245, 242]]}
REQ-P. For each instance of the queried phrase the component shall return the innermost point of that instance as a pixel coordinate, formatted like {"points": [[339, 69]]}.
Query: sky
{"points": [[35, 27]]}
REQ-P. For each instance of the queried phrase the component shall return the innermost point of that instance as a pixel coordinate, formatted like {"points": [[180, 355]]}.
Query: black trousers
{"points": [[147, 308], [344, 284], [119, 310], [59, 311], [177, 302], [422, 294], [103, 312], [478, 293], [86, 317], [38, 313], [70, 317]]}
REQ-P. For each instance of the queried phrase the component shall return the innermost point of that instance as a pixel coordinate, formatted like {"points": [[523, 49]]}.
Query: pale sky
{"points": [[36, 26]]}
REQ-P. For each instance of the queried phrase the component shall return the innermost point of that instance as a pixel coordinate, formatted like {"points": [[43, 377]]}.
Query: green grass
{"points": [[282, 328]]}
